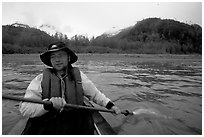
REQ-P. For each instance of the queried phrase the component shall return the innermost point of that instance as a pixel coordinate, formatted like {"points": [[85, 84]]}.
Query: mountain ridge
{"points": [[151, 35]]}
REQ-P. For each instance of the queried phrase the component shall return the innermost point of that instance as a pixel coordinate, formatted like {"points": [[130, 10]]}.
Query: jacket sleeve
{"points": [[93, 93], [34, 91]]}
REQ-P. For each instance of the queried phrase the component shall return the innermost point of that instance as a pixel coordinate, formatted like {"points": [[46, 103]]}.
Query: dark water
{"points": [[164, 90]]}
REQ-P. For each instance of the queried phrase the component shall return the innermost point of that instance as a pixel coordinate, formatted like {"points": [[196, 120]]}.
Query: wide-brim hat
{"points": [[57, 46]]}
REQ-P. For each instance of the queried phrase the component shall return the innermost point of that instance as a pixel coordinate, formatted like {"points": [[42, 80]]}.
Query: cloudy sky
{"points": [[93, 19]]}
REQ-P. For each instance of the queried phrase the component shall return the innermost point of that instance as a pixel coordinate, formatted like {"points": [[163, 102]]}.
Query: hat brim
{"points": [[45, 57]]}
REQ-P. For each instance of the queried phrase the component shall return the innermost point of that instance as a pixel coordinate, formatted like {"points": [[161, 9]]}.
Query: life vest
{"points": [[51, 86], [72, 122]]}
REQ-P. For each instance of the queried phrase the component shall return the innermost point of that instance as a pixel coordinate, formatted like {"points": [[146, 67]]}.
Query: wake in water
{"points": [[150, 113], [141, 119], [145, 114]]}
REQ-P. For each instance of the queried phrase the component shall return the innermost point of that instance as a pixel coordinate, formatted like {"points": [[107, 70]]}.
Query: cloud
{"points": [[67, 29], [95, 18], [29, 18]]}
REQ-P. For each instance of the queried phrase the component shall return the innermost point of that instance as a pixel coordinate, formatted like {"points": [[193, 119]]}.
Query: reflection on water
{"points": [[165, 91]]}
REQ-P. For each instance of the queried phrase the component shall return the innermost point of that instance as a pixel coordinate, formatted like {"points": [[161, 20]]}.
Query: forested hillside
{"points": [[152, 35], [23, 39]]}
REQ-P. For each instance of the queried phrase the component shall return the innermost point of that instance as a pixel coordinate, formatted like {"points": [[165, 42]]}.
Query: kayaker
{"points": [[61, 83]]}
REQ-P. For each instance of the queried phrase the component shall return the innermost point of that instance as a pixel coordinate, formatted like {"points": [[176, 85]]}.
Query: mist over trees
{"points": [[151, 36]]}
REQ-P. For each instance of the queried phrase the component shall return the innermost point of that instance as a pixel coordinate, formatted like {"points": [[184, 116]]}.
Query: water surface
{"points": [[168, 86]]}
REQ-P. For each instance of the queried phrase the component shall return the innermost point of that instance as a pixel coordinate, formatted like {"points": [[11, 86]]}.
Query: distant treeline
{"points": [[151, 36]]}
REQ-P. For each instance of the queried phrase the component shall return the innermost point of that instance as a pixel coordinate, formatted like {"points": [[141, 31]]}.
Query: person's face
{"points": [[59, 60]]}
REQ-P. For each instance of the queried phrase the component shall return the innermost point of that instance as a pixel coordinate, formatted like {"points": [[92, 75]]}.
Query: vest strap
{"points": [[52, 86]]}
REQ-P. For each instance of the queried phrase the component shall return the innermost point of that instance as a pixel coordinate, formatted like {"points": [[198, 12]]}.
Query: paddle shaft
{"points": [[66, 105]]}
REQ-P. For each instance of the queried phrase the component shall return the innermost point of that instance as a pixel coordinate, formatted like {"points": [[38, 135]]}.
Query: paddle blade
{"points": [[126, 113]]}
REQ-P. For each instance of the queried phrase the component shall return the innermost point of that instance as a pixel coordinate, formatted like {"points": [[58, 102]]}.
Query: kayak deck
{"points": [[102, 127]]}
